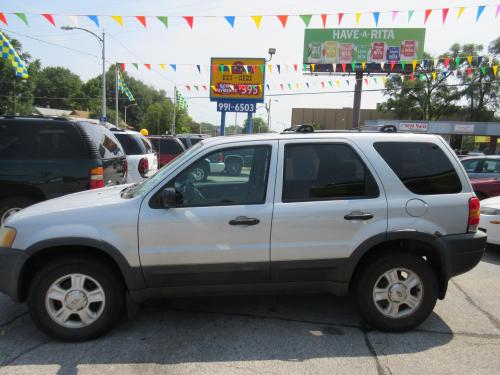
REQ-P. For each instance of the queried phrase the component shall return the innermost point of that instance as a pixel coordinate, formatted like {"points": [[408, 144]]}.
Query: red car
{"points": [[167, 147], [486, 187]]}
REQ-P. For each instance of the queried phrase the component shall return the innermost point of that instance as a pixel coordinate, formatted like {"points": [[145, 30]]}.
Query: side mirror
{"points": [[168, 197]]}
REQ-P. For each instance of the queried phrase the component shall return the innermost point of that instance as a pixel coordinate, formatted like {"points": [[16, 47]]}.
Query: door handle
{"points": [[357, 215], [243, 220]]}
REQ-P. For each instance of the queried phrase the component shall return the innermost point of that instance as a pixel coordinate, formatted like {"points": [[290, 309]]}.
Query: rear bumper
{"points": [[11, 264]]}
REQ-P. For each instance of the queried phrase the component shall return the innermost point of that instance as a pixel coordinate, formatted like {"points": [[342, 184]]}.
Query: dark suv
{"points": [[44, 158]]}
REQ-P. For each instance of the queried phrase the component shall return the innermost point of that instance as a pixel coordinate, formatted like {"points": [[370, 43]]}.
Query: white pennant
{"points": [[436, 62], [73, 20], [382, 65]]}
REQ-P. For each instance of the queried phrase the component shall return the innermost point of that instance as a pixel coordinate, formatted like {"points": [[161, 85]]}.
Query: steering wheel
{"points": [[190, 194]]}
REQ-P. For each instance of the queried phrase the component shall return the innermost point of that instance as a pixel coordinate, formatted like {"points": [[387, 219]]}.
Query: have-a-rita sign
{"points": [[237, 80]]}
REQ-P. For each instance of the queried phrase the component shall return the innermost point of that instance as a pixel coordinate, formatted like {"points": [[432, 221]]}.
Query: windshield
{"points": [[131, 143], [146, 185]]}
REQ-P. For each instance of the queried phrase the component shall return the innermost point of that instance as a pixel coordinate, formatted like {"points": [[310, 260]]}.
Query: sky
{"points": [[213, 36]]}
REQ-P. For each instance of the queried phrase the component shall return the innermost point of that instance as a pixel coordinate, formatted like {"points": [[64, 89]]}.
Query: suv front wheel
{"points": [[75, 299], [396, 292]]}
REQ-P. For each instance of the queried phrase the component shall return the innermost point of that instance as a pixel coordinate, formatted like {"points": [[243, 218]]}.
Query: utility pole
{"points": [[175, 108], [116, 99]]}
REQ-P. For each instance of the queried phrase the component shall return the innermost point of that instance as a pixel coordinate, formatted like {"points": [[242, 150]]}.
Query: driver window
{"points": [[232, 176]]}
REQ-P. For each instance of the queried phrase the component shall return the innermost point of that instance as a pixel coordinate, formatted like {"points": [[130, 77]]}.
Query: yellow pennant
{"points": [[297, 85], [469, 60], [213, 88], [270, 67], [495, 69], [382, 79], [337, 82], [230, 69], [313, 67], [162, 66], [434, 75], [460, 11], [363, 65], [257, 20], [414, 64], [358, 17], [118, 19]]}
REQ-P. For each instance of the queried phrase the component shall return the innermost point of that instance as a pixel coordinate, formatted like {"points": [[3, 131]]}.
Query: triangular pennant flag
{"points": [[189, 20], [142, 20], [122, 66], [498, 11], [323, 20], [392, 63], [402, 78], [427, 14], [330, 83], [375, 80], [457, 61], [50, 18], [204, 87], [469, 70], [22, 17], [94, 19], [382, 64], [270, 67], [446, 62], [414, 64], [118, 19], [278, 66], [213, 88], [297, 85], [196, 88], [162, 66], [148, 66], [289, 86], [174, 67], [445, 14], [73, 20], [281, 85], [436, 62], [323, 84], [469, 59], [353, 66], [283, 19], [363, 65], [358, 17], [366, 81], [495, 69], [434, 74], [343, 67], [403, 64], [412, 77], [394, 14], [348, 83], [313, 67], [136, 65], [480, 10], [268, 88], [483, 70], [376, 16], [262, 68], [460, 11], [199, 68], [257, 20], [163, 20], [188, 88], [340, 15], [337, 82], [230, 20], [479, 60], [296, 67], [410, 14], [307, 84], [230, 67], [3, 19], [306, 18]]}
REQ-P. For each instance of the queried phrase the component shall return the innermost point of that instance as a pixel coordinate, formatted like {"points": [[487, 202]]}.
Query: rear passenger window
{"points": [[325, 172], [106, 143], [422, 167], [491, 166]]}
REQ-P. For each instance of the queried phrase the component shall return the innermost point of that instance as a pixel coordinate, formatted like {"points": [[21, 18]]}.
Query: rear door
{"points": [[109, 151], [328, 201]]}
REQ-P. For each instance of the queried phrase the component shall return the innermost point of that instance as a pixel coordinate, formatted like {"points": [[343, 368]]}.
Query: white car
{"points": [[141, 157], [490, 219]]}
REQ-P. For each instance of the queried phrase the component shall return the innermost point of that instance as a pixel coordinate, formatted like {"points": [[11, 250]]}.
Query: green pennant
{"points": [[306, 18], [305, 67], [262, 68], [196, 88], [422, 77], [483, 70], [331, 84], [136, 65], [163, 20], [221, 67], [353, 67], [22, 17], [290, 86], [403, 64], [410, 14], [457, 61]]}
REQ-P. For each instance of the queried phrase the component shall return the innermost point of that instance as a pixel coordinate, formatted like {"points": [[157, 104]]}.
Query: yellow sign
{"points": [[234, 79]]}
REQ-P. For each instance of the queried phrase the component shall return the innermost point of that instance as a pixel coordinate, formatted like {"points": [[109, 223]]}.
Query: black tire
{"points": [[13, 202], [233, 166], [110, 282], [370, 273]]}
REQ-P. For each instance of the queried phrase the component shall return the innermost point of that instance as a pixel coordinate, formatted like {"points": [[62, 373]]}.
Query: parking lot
{"points": [[301, 334]]}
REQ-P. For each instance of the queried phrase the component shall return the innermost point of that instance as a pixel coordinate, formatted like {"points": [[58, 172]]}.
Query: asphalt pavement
{"points": [[287, 334]]}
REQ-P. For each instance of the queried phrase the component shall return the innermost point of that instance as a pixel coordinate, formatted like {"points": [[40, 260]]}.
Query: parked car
{"points": [[482, 166], [141, 158], [44, 158], [389, 217], [486, 187], [490, 219], [189, 140], [167, 147]]}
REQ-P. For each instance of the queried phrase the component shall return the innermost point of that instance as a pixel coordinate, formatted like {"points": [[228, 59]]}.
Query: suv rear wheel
{"points": [[10, 206], [396, 292], [75, 299]]}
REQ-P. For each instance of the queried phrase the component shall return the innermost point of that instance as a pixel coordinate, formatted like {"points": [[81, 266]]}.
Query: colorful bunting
{"points": [[469, 70], [199, 68], [394, 14], [363, 65], [340, 15], [142, 20], [49, 17], [498, 11], [174, 67], [469, 60], [278, 66], [148, 66], [403, 64], [230, 20], [283, 19], [457, 61], [392, 63], [296, 67], [358, 17], [189, 20], [323, 20], [136, 65], [162, 66], [495, 69], [434, 74], [353, 66], [257, 20], [427, 14], [376, 16], [94, 19], [22, 17], [306, 18], [414, 64], [73, 20], [445, 14], [163, 20], [460, 11], [480, 10], [118, 19], [122, 67], [289, 86], [343, 67], [313, 67], [3, 19], [410, 15]]}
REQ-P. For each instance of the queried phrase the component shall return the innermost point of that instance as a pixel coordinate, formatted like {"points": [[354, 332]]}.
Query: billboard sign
{"points": [[347, 46], [414, 126], [237, 80]]}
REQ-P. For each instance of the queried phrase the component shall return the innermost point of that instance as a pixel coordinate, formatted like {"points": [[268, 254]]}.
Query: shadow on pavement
{"points": [[222, 329], [492, 255]]}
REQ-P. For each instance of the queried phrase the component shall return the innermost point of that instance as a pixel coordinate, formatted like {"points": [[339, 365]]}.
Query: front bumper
{"points": [[11, 264]]}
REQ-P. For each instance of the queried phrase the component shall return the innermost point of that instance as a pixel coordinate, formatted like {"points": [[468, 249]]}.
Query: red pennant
{"points": [[142, 20], [343, 68], [445, 14], [214, 68], [122, 67], [340, 15], [148, 66], [412, 77], [469, 71], [188, 88], [283, 19], [50, 18], [392, 64], [3, 19], [204, 87], [296, 67], [323, 84], [447, 61], [281, 85], [323, 19], [189, 20], [366, 81], [427, 14]]}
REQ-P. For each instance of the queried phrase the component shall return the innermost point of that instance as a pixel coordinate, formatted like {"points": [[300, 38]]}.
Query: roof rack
{"points": [[310, 129]]}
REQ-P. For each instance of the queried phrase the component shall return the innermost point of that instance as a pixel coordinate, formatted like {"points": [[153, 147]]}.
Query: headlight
{"points": [[490, 211], [7, 236]]}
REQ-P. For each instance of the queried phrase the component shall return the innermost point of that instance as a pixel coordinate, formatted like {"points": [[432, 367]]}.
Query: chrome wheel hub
{"points": [[398, 293], [75, 301]]}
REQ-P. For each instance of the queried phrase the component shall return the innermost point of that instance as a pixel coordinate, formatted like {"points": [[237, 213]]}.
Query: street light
{"points": [[103, 45], [130, 105], [271, 52]]}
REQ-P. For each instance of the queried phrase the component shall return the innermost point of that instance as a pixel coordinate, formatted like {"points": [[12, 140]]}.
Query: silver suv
{"points": [[389, 217]]}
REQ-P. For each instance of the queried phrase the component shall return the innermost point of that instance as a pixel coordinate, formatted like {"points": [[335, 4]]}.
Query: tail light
{"points": [[221, 157], [96, 178], [474, 214], [143, 166]]}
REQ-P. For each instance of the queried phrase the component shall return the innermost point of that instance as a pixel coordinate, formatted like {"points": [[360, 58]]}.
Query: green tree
{"points": [[58, 87], [158, 118], [259, 125]]}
